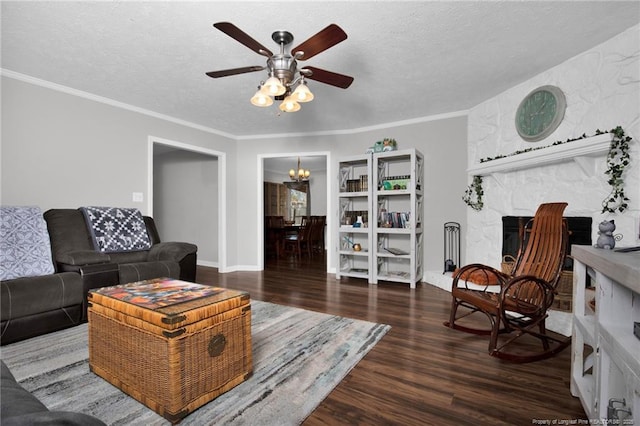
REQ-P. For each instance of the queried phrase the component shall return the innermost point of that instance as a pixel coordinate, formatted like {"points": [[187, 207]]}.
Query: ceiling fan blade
{"points": [[236, 33], [234, 71], [328, 77], [320, 42]]}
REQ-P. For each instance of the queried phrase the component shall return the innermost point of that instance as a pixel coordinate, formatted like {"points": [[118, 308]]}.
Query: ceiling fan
{"points": [[283, 66]]}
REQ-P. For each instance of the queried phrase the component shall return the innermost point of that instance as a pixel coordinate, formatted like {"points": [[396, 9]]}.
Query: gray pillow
{"points": [[25, 249]]}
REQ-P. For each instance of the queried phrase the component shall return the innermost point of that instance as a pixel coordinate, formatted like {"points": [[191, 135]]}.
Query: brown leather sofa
{"points": [[73, 251], [19, 407], [32, 306], [35, 305], [34, 298]]}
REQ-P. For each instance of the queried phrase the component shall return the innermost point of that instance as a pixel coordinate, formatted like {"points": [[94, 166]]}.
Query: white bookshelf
{"points": [[354, 195], [398, 206]]}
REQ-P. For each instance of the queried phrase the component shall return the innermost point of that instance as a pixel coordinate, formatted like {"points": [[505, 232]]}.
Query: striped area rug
{"points": [[299, 356]]}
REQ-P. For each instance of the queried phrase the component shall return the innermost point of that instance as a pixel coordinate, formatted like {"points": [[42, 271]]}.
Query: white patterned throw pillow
{"points": [[116, 229], [25, 249]]}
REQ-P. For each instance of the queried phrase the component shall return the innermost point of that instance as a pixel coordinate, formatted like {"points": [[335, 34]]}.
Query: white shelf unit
{"points": [[354, 196], [605, 366], [398, 205]]}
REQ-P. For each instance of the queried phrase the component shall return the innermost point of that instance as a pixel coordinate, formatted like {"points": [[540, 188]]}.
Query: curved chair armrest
{"points": [[480, 275], [175, 251], [526, 295]]}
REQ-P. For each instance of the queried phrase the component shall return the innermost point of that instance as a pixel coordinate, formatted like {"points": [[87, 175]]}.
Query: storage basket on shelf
{"points": [[507, 264], [564, 297], [565, 283]]}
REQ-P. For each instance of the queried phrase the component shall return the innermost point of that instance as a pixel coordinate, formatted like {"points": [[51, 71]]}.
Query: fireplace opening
{"points": [[513, 228]]}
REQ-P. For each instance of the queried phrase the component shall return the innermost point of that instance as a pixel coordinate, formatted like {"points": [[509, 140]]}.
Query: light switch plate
{"points": [[138, 197]]}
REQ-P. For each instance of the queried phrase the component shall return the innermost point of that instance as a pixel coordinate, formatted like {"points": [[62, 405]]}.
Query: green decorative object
{"points": [[540, 113], [617, 161], [473, 195]]}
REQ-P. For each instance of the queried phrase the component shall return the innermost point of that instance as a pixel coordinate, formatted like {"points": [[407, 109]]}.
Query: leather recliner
{"points": [[73, 251], [34, 298], [19, 407]]}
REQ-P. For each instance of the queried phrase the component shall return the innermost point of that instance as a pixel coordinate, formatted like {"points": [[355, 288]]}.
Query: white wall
{"points": [[185, 201], [602, 89]]}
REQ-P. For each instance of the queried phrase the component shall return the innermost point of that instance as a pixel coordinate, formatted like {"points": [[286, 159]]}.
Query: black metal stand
{"points": [[451, 246]]}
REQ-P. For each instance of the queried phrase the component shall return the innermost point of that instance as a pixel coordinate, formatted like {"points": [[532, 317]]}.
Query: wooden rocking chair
{"points": [[517, 303]]}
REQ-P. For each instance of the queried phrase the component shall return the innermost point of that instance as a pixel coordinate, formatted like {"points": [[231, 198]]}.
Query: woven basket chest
{"points": [[170, 344]]}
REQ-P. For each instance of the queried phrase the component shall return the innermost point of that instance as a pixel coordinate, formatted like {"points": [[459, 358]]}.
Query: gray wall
{"points": [[443, 141], [65, 151], [185, 200], [62, 150]]}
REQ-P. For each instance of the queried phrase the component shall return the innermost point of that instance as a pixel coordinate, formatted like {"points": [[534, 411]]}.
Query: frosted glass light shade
{"points": [[274, 87], [261, 99], [289, 105], [302, 93]]}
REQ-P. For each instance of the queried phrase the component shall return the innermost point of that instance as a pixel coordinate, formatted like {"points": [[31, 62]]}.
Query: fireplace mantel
{"points": [[581, 151]]}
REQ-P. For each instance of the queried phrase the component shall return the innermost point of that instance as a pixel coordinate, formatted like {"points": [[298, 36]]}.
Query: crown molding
{"points": [[86, 95], [382, 126]]}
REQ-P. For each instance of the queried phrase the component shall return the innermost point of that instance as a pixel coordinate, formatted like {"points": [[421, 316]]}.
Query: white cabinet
{"points": [[354, 217], [398, 207], [605, 366]]}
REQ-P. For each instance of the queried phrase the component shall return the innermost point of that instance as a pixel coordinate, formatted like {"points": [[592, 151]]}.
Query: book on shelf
{"points": [[396, 251], [351, 216], [399, 274], [358, 185], [395, 182], [394, 219]]}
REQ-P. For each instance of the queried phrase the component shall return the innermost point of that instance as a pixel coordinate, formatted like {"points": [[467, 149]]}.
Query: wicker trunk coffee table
{"points": [[170, 344]]}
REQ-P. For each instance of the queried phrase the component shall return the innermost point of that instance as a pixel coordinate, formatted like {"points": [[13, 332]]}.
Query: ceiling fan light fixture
{"points": [[274, 87], [282, 67], [302, 93], [261, 99], [289, 104]]}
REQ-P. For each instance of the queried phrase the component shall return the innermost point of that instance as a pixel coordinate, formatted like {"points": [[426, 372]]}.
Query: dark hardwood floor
{"points": [[421, 372]]}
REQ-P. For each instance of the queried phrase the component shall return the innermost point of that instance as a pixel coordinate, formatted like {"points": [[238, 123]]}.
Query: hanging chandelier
{"points": [[299, 174]]}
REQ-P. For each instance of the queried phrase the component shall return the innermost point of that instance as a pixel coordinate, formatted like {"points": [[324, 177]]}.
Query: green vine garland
{"points": [[617, 161], [474, 191]]}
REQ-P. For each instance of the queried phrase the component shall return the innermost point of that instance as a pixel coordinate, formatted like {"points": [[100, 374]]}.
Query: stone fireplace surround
{"points": [[512, 227], [516, 185], [601, 86]]}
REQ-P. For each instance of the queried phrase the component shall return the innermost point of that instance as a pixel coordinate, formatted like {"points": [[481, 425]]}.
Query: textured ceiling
{"points": [[409, 59]]}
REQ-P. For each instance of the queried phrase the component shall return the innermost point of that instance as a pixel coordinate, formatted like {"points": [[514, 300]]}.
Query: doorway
{"points": [[198, 215], [315, 202]]}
